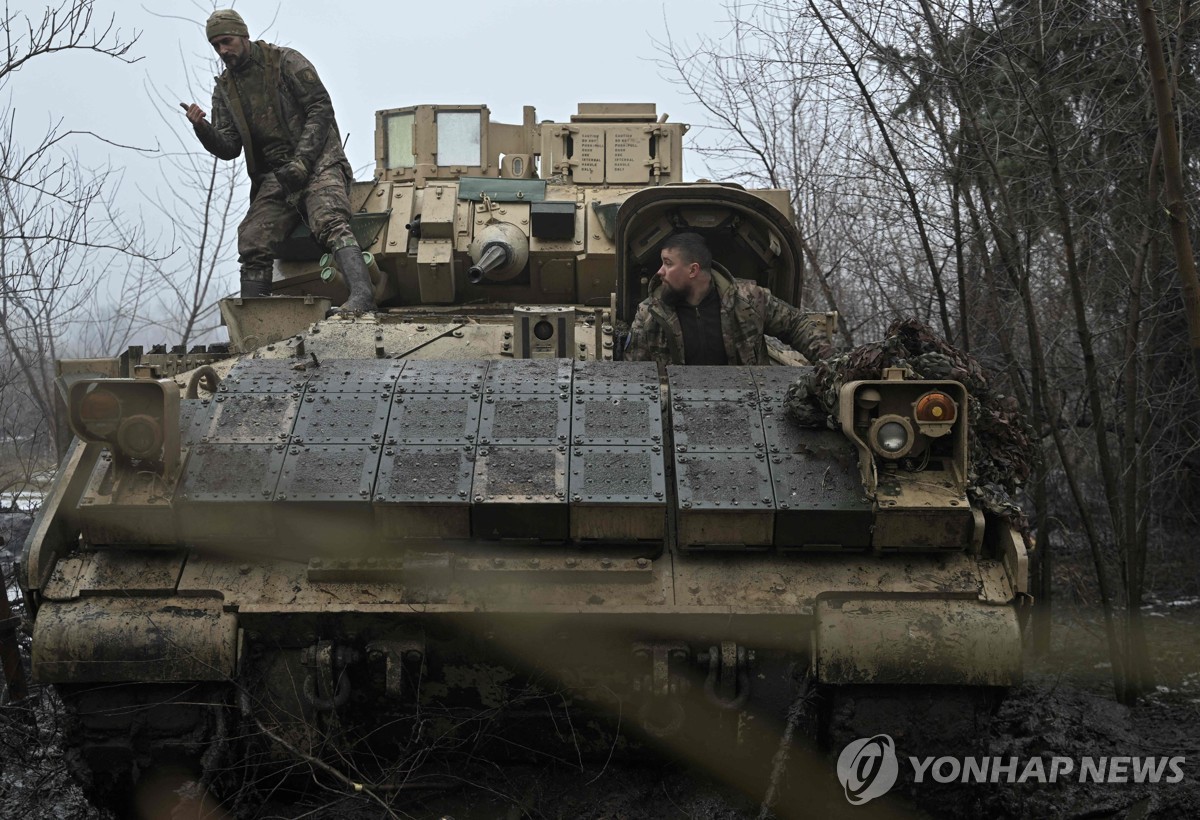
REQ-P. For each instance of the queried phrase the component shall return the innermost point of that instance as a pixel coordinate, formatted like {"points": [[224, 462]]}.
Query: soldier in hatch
{"points": [[270, 102], [699, 315]]}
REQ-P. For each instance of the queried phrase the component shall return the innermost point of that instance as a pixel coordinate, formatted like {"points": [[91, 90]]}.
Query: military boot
{"points": [[255, 287], [358, 278]]}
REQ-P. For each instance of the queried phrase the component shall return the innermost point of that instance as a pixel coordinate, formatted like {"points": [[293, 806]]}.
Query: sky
{"points": [[371, 55]]}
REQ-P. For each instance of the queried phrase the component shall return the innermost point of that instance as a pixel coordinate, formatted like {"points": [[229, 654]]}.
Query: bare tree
{"points": [[59, 236], [1161, 84], [69, 26], [976, 144], [60, 232], [201, 206]]}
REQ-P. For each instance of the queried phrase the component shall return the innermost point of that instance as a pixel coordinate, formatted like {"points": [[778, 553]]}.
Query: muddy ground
{"points": [[1064, 709]]}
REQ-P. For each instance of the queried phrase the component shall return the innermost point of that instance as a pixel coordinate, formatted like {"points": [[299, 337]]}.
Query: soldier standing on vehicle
{"points": [[270, 103], [699, 315]]}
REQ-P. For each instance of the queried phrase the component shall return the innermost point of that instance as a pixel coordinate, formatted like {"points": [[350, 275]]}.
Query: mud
{"points": [[1058, 712], [1065, 709], [1048, 719]]}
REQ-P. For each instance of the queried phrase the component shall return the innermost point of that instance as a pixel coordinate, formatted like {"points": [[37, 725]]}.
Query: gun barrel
{"points": [[496, 255], [499, 253]]}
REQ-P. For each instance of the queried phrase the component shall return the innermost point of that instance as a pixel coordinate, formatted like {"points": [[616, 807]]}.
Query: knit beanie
{"points": [[224, 22]]}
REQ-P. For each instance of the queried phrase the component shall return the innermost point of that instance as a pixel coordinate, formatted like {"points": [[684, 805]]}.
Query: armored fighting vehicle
{"points": [[464, 516]]}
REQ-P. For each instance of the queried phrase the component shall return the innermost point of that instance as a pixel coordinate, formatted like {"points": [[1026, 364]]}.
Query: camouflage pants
{"points": [[325, 202]]}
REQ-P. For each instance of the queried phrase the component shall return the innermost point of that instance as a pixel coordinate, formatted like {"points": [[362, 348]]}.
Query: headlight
{"points": [[99, 410], [907, 430], [891, 436], [935, 413], [935, 406], [137, 418], [141, 436]]}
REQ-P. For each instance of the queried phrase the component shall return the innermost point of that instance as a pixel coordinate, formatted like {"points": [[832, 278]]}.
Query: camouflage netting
{"points": [[1000, 441]]}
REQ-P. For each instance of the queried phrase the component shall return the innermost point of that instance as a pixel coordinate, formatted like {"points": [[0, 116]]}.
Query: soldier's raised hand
{"points": [[194, 112]]}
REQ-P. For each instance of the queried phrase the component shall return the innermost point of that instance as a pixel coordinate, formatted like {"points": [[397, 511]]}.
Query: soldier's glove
{"points": [[292, 176], [823, 351]]}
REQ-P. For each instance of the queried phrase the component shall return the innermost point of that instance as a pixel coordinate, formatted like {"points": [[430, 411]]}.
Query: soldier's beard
{"points": [[670, 296]]}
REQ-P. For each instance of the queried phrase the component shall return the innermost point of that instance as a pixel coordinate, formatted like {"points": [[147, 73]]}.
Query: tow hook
{"points": [[402, 659], [661, 713], [326, 685], [728, 683]]}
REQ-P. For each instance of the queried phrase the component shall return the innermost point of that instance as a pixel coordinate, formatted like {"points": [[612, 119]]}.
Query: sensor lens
{"points": [[892, 437]]}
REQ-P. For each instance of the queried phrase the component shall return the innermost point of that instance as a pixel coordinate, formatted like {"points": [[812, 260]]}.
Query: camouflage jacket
{"points": [[747, 313], [297, 117]]}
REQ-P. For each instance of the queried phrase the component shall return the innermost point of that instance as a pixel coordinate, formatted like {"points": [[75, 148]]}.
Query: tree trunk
{"points": [[1176, 205]]}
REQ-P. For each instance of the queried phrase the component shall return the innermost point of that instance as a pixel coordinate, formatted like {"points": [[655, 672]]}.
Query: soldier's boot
{"points": [[256, 287], [358, 278]]}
